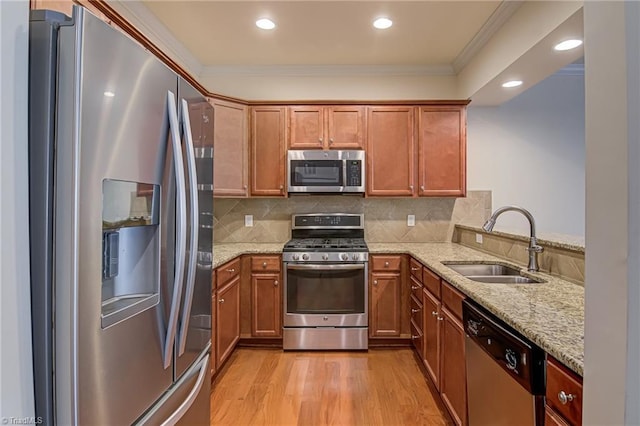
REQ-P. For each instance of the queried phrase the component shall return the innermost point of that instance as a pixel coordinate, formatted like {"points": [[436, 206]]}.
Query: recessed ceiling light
{"points": [[382, 23], [568, 44], [512, 83], [109, 94], [265, 24]]}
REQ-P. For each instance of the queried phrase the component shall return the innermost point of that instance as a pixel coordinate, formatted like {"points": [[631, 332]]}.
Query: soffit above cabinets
{"points": [[310, 33]]}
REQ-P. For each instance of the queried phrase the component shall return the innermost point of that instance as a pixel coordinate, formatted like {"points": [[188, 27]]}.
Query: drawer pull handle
{"points": [[221, 300], [413, 311], [440, 319], [434, 313], [264, 264], [231, 270], [565, 397], [415, 269], [386, 264], [415, 337], [415, 287]]}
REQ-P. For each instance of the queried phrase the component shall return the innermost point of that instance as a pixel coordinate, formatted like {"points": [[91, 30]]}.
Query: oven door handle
{"points": [[319, 266]]}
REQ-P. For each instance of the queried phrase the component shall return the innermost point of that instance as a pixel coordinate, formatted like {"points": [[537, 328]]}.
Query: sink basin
{"points": [[492, 273], [468, 269]]}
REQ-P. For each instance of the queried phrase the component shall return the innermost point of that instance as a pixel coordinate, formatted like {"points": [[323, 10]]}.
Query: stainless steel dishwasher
{"points": [[505, 372]]}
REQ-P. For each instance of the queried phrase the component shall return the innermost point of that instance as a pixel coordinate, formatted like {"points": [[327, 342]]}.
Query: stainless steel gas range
{"points": [[325, 283]]}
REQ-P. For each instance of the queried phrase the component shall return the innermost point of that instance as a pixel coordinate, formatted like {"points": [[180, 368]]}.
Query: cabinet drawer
{"points": [[563, 384], [551, 418], [417, 338], [385, 263], [431, 281], [416, 312], [416, 288], [452, 299], [226, 272], [265, 263], [415, 268]]}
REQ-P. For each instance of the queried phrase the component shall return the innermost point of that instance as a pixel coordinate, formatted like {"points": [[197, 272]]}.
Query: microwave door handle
{"points": [[344, 173], [181, 229], [320, 266], [193, 246]]}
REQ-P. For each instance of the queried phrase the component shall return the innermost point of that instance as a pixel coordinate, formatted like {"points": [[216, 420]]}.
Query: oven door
{"points": [[316, 175], [325, 295]]}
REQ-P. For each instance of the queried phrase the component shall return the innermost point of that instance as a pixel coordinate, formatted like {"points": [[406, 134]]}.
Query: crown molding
{"points": [[502, 14], [146, 22], [328, 70]]}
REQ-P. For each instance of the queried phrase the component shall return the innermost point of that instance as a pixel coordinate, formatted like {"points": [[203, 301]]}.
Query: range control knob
{"points": [[296, 256], [325, 257], [344, 256], [355, 256], [305, 256]]}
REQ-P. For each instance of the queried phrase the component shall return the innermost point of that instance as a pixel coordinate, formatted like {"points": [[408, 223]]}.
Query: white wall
{"points": [[530, 152], [611, 390], [16, 377]]}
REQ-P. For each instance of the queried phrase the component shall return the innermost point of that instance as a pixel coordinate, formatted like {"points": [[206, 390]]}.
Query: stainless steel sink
{"points": [[492, 273]]}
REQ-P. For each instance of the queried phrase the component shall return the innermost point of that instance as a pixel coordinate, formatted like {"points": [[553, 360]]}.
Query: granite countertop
{"points": [[550, 314]]}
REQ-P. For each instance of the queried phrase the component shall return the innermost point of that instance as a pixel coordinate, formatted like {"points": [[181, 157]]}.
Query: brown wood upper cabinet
{"points": [[268, 151], [390, 151], [230, 149], [442, 151], [326, 127]]}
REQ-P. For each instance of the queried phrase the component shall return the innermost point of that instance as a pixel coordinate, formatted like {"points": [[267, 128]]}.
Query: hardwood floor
{"points": [[272, 387]]}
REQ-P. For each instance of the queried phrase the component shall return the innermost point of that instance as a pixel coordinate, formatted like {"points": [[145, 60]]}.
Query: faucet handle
{"points": [[536, 248]]}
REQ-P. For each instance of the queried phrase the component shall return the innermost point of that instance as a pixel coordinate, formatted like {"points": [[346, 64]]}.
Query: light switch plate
{"points": [[411, 220], [248, 220], [479, 238]]}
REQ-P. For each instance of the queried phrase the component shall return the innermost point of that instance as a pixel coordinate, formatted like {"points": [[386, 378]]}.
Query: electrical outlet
{"points": [[248, 220], [411, 220], [479, 238]]}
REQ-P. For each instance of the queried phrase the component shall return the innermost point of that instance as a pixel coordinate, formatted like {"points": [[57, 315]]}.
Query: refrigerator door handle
{"points": [[188, 402], [193, 248], [181, 229]]}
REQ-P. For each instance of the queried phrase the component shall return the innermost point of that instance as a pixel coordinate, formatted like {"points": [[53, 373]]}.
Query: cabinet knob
{"points": [[565, 397], [330, 140], [415, 287], [434, 313], [275, 283], [413, 311], [411, 187], [415, 269], [375, 282], [386, 264], [281, 187], [264, 264], [221, 300], [414, 337], [231, 270], [421, 187], [320, 140], [245, 186], [440, 319]]}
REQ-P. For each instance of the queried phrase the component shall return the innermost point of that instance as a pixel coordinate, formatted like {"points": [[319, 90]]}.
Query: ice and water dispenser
{"points": [[130, 249]]}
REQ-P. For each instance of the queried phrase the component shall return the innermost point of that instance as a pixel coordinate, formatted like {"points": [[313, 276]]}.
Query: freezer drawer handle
{"points": [[193, 246], [188, 402], [181, 229]]}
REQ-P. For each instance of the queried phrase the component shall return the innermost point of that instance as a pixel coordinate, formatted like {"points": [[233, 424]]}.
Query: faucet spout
{"points": [[533, 248]]}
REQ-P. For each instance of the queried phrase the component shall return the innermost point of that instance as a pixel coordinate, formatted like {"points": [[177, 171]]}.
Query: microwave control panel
{"points": [[354, 173]]}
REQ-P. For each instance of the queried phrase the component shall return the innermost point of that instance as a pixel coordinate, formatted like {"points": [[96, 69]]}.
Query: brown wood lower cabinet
{"points": [[431, 359], [453, 387], [385, 304], [563, 394], [266, 296], [227, 319]]}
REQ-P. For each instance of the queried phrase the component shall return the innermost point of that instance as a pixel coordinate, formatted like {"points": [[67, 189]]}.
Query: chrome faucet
{"points": [[533, 248]]}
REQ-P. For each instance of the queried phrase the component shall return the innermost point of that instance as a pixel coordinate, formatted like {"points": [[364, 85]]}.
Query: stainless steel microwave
{"points": [[325, 172]]}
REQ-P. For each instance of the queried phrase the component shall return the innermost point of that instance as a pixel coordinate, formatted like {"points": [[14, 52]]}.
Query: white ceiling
{"points": [[425, 33]]}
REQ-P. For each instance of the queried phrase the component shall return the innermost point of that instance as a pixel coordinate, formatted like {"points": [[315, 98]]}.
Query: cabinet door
{"points": [[214, 310], [385, 305], [306, 127], [442, 141], [390, 151], [345, 127], [431, 330], [267, 151], [231, 150], [453, 387], [228, 320], [266, 299]]}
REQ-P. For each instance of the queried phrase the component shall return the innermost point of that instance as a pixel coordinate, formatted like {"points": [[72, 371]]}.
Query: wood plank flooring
{"points": [[272, 387]]}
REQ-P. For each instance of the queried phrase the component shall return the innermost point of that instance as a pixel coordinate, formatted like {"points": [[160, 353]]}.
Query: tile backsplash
{"points": [[385, 218]]}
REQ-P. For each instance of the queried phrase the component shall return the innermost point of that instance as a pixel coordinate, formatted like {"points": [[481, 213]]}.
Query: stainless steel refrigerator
{"points": [[121, 210]]}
